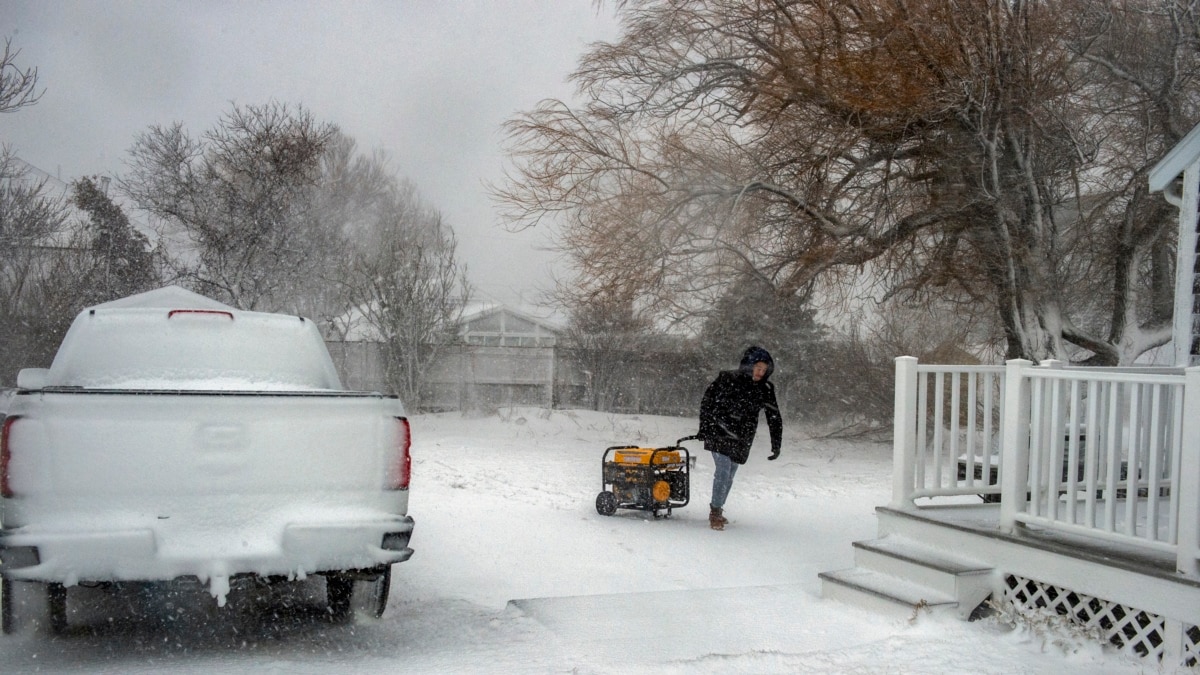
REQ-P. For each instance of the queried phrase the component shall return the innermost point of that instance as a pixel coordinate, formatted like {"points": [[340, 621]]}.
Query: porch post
{"points": [[1014, 454], [1188, 548], [904, 433], [1182, 330]]}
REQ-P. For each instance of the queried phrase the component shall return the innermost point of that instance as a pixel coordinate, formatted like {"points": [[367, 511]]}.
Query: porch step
{"points": [[897, 573], [883, 593]]}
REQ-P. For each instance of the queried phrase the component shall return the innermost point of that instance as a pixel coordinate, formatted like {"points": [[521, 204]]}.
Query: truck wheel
{"points": [[606, 503], [56, 596], [6, 607], [339, 591]]}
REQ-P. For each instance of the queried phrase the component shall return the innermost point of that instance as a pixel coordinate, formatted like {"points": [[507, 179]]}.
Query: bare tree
{"points": [[953, 147], [18, 88], [607, 339], [241, 195], [282, 213], [34, 238], [1139, 59], [29, 209], [402, 276], [350, 192]]}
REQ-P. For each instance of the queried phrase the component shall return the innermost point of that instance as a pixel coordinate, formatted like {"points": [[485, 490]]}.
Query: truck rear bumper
{"points": [[143, 555], [22, 552]]}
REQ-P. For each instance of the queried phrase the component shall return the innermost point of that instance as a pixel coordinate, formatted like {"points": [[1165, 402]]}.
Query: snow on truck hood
{"points": [[192, 347]]}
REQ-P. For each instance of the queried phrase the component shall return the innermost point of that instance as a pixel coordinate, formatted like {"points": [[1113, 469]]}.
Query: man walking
{"points": [[729, 419]]}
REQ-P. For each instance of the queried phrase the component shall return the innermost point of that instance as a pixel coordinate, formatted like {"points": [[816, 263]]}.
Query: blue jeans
{"points": [[722, 479]]}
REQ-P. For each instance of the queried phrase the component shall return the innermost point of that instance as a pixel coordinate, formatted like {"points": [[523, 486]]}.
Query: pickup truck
{"points": [[175, 438]]}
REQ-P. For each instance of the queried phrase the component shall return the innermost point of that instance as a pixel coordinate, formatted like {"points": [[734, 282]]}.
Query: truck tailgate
{"points": [[137, 485], [121, 443]]}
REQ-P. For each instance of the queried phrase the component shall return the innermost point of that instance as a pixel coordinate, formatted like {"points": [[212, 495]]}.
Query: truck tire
{"points": [[6, 607], [339, 591], [56, 600], [23, 603]]}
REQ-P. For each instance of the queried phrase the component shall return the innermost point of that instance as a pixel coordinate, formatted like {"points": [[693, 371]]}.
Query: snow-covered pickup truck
{"points": [[176, 438]]}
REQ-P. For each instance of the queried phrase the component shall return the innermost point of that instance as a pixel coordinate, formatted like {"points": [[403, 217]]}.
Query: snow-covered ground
{"points": [[515, 571]]}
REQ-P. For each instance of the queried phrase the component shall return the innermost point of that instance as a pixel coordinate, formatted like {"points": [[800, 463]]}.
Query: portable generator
{"points": [[648, 479]]}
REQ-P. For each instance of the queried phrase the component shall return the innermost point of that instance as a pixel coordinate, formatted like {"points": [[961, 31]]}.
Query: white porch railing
{"points": [[1110, 454]]}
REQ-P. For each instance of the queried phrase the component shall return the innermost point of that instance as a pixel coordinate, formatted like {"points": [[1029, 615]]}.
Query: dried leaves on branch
{"points": [[992, 154]]}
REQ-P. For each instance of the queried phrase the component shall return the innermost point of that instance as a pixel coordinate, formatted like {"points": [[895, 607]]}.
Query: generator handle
{"points": [[690, 459]]}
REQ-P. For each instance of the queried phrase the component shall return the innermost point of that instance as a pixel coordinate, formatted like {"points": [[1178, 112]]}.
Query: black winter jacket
{"points": [[729, 410]]}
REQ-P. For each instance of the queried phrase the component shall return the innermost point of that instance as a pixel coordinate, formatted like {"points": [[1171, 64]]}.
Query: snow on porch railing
{"points": [[1112, 454]]}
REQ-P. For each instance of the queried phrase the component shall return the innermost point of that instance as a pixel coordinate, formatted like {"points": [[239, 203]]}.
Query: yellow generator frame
{"points": [[648, 479]]}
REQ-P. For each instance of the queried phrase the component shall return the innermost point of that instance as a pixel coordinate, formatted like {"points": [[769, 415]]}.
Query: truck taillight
{"points": [[402, 470], [6, 454]]}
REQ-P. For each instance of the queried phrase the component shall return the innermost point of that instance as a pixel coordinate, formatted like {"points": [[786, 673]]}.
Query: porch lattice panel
{"points": [[1191, 646], [1135, 631]]}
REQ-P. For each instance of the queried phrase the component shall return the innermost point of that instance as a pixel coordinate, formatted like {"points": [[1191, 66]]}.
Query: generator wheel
{"points": [[606, 503]]}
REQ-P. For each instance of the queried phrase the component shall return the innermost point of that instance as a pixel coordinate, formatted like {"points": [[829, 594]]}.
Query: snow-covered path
{"points": [[516, 572]]}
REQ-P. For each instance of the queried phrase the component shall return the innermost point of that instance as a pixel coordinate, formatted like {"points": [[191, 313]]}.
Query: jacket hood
{"points": [[752, 356]]}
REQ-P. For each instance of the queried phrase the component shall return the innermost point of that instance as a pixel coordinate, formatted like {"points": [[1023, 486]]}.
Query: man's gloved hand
{"points": [[774, 454]]}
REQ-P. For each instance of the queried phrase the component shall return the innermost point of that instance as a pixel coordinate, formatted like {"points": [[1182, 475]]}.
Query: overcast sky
{"points": [[429, 82]]}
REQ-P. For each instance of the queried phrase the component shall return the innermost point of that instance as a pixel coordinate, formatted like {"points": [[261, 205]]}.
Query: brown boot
{"points": [[715, 520]]}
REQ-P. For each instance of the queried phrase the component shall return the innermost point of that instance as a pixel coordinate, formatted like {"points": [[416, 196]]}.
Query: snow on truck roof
{"points": [[166, 297], [172, 338]]}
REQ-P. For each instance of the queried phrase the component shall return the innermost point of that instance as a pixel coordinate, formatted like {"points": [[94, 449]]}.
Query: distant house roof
{"points": [[537, 316], [496, 325], [1176, 161], [35, 175], [478, 319], [56, 187]]}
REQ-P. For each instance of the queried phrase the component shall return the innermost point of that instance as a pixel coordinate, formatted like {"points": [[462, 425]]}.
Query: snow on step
{"points": [[882, 592], [909, 550], [964, 580], [897, 572]]}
